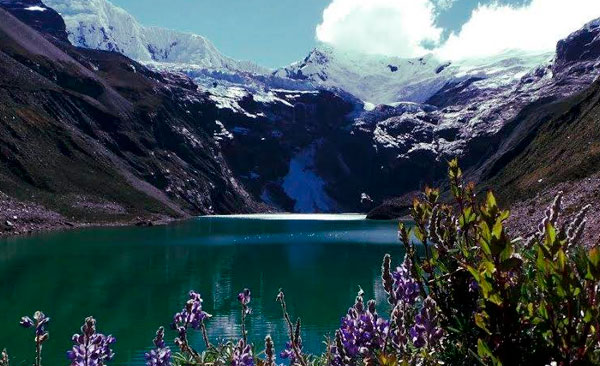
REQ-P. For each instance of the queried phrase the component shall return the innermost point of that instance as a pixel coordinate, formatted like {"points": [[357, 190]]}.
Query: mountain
{"points": [[542, 132], [336, 132], [379, 79], [98, 24], [93, 136]]}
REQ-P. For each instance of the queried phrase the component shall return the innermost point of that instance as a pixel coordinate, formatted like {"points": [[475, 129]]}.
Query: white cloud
{"points": [[388, 27], [402, 27], [534, 27]]}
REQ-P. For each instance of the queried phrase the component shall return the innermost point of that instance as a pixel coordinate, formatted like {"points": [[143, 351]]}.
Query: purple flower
{"points": [[244, 297], [426, 332], [192, 315], [405, 288], [26, 322], [473, 286], [288, 353], [161, 355], [362, 331], [399, 332], [242, 355], [337, 350], [39, 321], [90, 348]]}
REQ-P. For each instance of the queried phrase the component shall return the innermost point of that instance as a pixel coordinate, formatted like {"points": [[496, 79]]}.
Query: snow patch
{"points": [[35, 8], [304, 186], [222, 133]]}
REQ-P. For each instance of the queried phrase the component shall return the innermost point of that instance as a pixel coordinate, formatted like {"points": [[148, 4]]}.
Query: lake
{"points": [[134, 279]]}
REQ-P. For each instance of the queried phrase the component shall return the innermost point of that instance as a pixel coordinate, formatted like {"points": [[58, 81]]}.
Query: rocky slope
{"points": [[97, 137]]}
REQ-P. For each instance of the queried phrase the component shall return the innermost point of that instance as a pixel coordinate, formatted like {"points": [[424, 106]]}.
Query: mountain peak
{"points": [[98, 24]]}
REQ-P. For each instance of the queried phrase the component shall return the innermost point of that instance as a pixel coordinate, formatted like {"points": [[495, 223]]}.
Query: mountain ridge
{"points": [[98, 24]]}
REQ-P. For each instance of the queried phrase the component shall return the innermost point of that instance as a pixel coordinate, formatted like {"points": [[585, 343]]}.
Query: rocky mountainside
{"points": [[96, 137], [336, 132], [544, 141], [98, 24]]}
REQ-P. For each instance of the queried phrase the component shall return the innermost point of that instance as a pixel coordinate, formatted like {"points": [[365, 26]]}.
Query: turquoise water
{"points": [[134, 279]]}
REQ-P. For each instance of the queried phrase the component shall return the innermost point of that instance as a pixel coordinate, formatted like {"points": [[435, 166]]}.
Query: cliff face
{"points": [[96, 136]]}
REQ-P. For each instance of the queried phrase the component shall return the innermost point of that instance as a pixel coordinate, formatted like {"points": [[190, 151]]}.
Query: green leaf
{"points": [[481, 321], [497, 230], [550, 234], [496, 299], [483, 350], [561, 260], [491, 200], [473, 272]]}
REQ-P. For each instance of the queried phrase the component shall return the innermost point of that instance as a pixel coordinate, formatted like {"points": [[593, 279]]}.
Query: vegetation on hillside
{"points": [[466, 293]]}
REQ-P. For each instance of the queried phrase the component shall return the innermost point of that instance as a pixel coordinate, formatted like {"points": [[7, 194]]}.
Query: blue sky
{"points": [[274, 33]]}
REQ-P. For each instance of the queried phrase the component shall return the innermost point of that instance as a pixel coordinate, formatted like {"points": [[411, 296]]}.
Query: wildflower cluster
{"points": [[161, 354], [91, 348], [190, 317]]}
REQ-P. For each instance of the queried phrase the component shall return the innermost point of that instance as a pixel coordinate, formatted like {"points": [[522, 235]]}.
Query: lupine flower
{"points": [[26, 322], [399, 336], [191, 316], [575, 229], [288, 353], [387, 279], [244, 297], [426, 332], [337, 350], [242, 355], [362, 330], [4, 358], [244, 300], [551, 214], [39, 322], [161, 355], [91, 348], [293, 348], [405, 287], [280, 296], [269, 351]]}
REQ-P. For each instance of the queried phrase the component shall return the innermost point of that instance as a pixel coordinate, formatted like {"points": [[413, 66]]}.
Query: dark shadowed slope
{"points": [[97, 137]]}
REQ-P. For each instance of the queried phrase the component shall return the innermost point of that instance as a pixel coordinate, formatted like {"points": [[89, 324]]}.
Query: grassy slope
{"points": [[564, 145]]}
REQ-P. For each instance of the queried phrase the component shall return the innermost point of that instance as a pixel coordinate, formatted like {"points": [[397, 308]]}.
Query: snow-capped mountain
{"points": [[387, 80], [98, 24], [345, 125]]}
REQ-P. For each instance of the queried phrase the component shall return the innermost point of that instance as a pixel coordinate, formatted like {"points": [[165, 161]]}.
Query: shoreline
{"points": [[18, 219]]}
